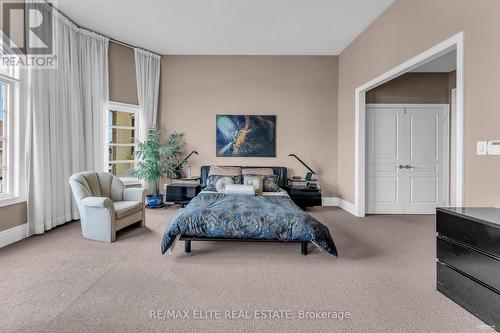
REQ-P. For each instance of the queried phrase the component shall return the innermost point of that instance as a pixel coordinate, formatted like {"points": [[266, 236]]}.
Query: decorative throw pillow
{"points": [[254, 180], [220, 185], [264, 183], [212, 181], [271, 184]]}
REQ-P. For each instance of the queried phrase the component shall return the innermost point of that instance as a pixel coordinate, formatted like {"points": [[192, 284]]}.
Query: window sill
{"points": [[7, 200]]}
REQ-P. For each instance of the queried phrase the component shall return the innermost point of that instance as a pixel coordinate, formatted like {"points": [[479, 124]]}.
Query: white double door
{"points": [[407, 154]]}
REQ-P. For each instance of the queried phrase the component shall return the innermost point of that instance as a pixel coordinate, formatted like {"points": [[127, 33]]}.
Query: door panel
{"points": [[385, 189], [385, 143], [427, 130], [406, 159], [423, 190], [385, 129], [423, 135]]}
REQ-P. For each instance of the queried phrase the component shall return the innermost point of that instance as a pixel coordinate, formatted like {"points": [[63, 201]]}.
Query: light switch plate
{"points": [[482, 147], [494, 147]]}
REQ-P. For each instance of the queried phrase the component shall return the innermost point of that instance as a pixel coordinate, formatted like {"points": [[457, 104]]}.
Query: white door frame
{"points": [[446, 153], [454, 42]]}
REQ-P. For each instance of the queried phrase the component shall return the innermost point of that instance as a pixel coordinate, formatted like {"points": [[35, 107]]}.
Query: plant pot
{"points": [[155, 201]]}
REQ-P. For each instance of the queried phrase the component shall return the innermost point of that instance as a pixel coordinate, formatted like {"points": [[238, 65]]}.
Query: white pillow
{"points": [[222, 183], [256, 181], [239, 189]]}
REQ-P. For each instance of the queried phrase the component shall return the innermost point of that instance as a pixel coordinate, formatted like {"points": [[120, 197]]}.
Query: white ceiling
{"points": [[444, 64], [229, 27]]}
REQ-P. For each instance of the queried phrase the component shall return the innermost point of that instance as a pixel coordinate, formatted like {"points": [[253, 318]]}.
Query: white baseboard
{"points": [[348, 207], [337, 202], [330, 201], [13, 235]]}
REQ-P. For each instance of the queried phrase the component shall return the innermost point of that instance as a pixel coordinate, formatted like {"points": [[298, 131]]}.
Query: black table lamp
{"points": [[311, 175], [178, 171], [193, 152]]}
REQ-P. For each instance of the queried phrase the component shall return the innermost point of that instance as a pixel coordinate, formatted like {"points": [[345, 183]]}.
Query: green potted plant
{"points": [[155, 161], [174, 151]]}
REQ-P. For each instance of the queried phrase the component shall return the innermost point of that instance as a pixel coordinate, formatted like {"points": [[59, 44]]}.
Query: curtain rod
{"points": [[111, 39]]}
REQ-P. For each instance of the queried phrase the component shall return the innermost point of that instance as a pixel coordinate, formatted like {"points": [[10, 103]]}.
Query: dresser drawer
{"points": [[472, 296], [479, 266], [473, 233]]}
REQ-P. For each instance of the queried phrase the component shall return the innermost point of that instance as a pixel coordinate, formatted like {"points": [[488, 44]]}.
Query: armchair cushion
{"points": [[125, 208]]}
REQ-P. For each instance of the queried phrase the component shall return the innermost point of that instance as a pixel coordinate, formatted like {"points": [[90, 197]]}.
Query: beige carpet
{"points": [[384, 277]]}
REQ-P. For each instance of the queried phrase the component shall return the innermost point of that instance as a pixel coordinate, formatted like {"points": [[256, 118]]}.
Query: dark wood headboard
{"points": [[281, 172]]}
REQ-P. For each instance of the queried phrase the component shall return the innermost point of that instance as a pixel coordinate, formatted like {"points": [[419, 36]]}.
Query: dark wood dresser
{"points": [[468, 266]]}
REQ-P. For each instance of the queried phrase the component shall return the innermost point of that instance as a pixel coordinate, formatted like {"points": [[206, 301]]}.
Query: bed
{"points": [[270, 217]]}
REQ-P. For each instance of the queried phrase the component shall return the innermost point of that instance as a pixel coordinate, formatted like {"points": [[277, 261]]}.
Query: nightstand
{"points": [[304, 196], [181, 193]]}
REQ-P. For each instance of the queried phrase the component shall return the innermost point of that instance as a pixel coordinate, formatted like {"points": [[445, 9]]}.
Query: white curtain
{"points": [[65, 112], [147, 68]]}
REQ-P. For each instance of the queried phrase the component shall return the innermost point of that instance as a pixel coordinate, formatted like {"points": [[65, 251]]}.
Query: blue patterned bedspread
{"points": [[219, 215]]}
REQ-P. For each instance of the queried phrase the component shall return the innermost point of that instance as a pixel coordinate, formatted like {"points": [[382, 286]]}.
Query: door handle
{"points": [[402, 166], [408, 167]]}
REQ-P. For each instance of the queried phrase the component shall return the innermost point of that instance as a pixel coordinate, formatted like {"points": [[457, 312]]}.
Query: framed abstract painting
{"points": [[246, 136]]}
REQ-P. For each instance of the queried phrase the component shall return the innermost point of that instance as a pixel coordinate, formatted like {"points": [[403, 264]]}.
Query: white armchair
{"points": [[105, 205]]}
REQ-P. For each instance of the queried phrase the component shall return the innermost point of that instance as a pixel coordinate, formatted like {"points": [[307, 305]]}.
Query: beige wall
{"points": [[13, 216], [413, 88], [405, 29], [122, 79], [300, 90]]}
